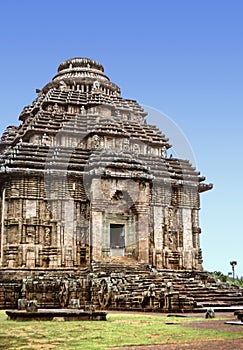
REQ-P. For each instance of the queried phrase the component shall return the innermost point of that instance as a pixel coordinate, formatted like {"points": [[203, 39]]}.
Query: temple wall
{"points": [[57, 232], [175, 227], [37, 231]]}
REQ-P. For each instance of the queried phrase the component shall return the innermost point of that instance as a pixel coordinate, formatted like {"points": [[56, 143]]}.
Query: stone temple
{"points": [[85, 181], [84, 178]]}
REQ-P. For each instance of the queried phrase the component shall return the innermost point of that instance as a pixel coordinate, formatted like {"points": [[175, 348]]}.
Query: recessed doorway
{"points": [[117, 239]]}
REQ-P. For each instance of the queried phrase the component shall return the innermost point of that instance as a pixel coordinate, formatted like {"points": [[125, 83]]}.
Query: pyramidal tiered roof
{"points": [[81, 117]]}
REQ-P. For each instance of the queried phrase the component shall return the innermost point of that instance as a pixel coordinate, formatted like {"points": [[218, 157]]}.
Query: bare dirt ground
{"points": [[235, 344], [232, 344]]}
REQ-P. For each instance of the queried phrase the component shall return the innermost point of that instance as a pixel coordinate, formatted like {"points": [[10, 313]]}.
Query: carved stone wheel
{"points": [[104, 294]]}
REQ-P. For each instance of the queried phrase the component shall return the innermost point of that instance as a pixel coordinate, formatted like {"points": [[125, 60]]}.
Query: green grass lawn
{"points": [[118, 330]]}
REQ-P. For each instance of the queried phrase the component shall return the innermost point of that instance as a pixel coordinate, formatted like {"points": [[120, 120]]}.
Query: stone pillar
{"points": [[106, 238], [143, 236], [158, 234], [68, 223], [131, 240], [143, 222], [96, 235], [187, 225], [188, 243], [96, 219]]}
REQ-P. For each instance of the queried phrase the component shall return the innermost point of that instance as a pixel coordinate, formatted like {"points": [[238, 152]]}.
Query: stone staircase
{"points": [[140, 287], [208, 292]]}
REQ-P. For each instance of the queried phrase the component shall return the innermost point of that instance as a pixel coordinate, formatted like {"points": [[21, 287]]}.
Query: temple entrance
{"points": [[117, 240]]}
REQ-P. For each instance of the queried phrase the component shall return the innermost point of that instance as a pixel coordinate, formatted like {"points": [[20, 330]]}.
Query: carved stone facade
{"points": [[85, 179]]}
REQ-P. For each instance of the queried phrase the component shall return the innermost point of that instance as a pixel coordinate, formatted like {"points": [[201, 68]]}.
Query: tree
{"points": [[233, 263]]}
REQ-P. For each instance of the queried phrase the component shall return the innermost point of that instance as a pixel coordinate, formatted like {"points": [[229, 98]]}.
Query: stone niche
{"points": [[119, 209]]}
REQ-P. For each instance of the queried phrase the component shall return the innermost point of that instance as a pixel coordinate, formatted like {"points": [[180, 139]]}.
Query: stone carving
{"points": [[55, 108], [210, 313], [163, 152], [22, 303], [47, 238], [96, 141], [75, 304], [148, 297], [136, 148], [64, 294], [126, 145], [31, 306], [104, 293], [62, 85], [82, 110], [96, 85]]}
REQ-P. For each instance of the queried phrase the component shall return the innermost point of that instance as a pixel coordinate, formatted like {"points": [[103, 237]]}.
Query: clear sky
{"points": [[181, 57]]}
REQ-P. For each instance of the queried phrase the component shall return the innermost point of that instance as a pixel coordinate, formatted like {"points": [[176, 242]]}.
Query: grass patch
{"points": [[118, 330]]}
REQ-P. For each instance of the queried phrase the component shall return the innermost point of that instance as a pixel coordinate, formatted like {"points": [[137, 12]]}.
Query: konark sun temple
{"points": [[93, 210]]}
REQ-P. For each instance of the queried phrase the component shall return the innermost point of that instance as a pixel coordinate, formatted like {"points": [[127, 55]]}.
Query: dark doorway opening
{"points": [[117, 239]]}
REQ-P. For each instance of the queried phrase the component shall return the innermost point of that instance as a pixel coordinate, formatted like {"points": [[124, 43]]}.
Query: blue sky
{"points": [[181, 57]]}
